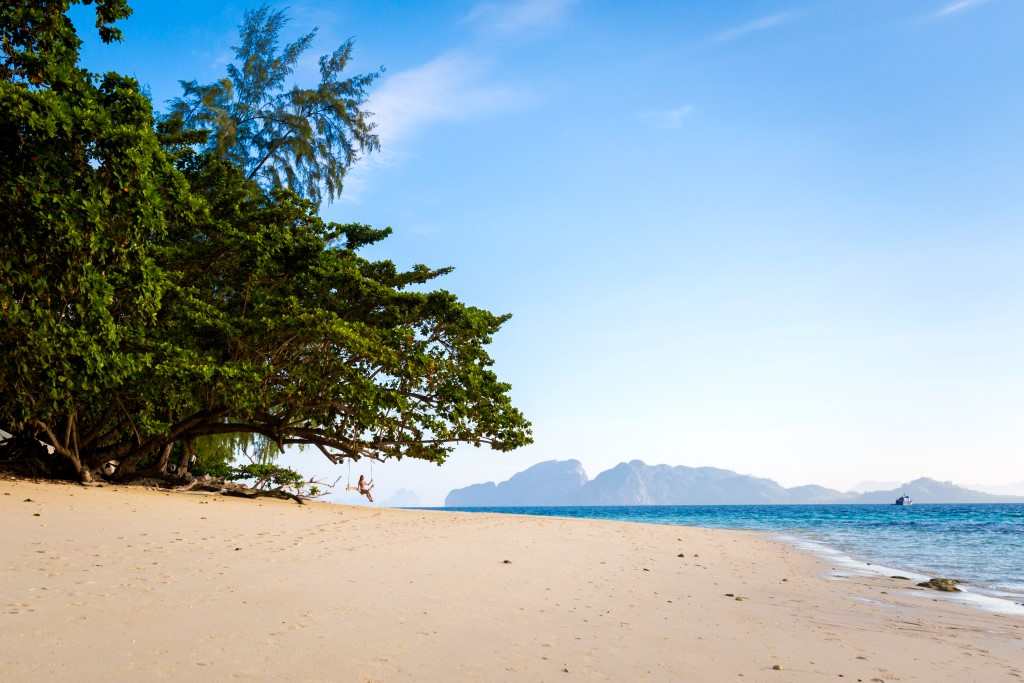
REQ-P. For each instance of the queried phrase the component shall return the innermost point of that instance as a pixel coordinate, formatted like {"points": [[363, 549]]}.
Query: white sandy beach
{"points": [[128, 584]]}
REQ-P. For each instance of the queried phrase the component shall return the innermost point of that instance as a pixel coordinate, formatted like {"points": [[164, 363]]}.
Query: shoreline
{"points": [[977, 592], [977, 596], [122, 583]]}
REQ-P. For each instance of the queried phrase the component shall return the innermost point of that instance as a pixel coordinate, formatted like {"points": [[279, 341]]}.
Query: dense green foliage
{"points": [[85, 187], [155, 295]]}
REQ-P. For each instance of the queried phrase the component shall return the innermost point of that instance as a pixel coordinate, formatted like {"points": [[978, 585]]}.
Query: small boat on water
{"points": [[904, 500]]}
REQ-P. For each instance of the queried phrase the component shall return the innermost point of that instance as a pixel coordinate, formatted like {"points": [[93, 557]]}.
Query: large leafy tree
{"points": [[155, 294], [296, 337], [278, 133], [85, 189]]}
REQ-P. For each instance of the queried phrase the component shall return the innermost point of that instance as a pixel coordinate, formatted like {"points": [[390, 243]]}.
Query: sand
{"points": [[129, 584]]}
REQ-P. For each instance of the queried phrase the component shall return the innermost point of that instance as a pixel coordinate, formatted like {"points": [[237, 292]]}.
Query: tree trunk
{"points": [[165, 457], [83, 469], [188, 450]]}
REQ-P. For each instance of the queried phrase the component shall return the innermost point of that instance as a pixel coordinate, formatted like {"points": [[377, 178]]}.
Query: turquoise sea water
{"points": [[979, 544]]}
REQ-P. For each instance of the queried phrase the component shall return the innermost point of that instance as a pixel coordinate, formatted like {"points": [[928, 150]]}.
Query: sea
{"points": [[981, 545]]}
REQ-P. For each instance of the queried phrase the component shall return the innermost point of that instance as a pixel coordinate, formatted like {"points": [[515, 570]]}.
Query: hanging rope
{"points": [[348, 481], [348, 476]]}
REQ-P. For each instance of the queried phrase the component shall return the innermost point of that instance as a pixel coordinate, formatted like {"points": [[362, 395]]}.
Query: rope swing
{"points": [[364, 487]]}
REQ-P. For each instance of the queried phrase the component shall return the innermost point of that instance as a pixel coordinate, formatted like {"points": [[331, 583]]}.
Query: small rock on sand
{"points": [[940, 584]]}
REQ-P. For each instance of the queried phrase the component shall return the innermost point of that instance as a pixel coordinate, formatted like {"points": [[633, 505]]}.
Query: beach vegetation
{"points": [[163, 292]]}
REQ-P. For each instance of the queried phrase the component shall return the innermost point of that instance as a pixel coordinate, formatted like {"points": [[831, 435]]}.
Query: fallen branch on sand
{"points": [[300, 492], [228, 488]]}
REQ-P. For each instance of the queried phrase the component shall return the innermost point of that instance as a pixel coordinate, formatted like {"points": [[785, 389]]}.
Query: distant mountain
{"points": [[865, 486], [636, 483], [555, 482], [1015, 489], [812, 494], [402, 498], [930, 491]]}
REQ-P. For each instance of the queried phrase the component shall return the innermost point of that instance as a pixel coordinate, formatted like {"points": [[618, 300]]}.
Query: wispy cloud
{"points": [[757, 25], [667, 118], [958, 7], [517, 16], [455, 86], [451, 87]]}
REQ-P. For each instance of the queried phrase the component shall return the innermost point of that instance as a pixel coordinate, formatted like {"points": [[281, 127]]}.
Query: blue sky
{"points": [[777, 237]]}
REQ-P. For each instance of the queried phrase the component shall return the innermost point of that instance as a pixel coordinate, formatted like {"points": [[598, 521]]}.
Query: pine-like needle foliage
{"points": [[281, 134], [158, 292]]}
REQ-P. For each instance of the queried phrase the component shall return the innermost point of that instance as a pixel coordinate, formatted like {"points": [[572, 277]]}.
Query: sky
{"points": [[782, 238]]}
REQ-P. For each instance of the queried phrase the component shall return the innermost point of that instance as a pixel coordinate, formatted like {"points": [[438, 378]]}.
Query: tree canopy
{"points": [[301, 138], [157, 289]]}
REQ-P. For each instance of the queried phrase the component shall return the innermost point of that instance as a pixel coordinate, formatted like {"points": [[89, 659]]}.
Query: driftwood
{"points": [[227, 488]]}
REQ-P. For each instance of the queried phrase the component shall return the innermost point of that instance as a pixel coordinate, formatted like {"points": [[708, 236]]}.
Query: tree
{"points": [[156, 296], [39, 44], [294, 336], [86, 190], [301, 138]]}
